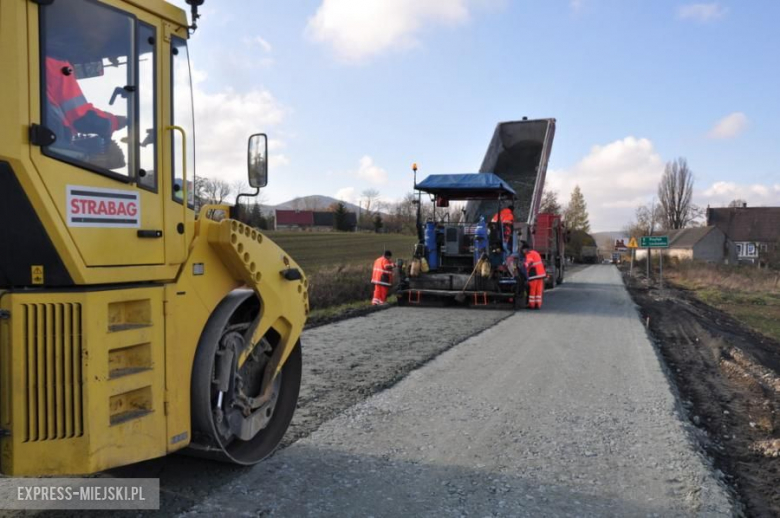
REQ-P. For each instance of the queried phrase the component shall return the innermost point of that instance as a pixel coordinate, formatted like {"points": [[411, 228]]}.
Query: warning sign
{"points": [[36, 273], [110, 208], [633, 243]]}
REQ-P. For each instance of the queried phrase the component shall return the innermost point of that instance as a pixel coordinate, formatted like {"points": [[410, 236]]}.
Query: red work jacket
{"points": [[534, 265], [507, 217], [383, 272], [65, 95]]}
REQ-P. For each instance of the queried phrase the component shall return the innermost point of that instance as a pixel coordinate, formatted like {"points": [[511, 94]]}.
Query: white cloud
{"points": [[346, 194], [243, 60], [223, 122], [358, 29], [701, 13], [720, 194], [615, 179], [371, 172], [260, 42], [263, 43], [729, 126], [575, 5]]}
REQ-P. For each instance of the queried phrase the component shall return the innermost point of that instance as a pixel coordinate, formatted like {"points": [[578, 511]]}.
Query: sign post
{"points": [[632, 245], [655, 242]]}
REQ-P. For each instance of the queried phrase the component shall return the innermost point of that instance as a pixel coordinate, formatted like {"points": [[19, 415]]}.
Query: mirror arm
{"points": [[235, 210]]}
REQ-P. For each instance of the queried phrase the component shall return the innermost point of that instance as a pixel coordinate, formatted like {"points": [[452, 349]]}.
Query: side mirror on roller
{"points": [[257, 160]]}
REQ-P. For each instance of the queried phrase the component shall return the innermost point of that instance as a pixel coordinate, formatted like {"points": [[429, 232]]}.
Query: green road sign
{"points": [[654, 242]]}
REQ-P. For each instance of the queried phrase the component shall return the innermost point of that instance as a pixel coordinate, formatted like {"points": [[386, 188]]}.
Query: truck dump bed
{"points": [[518, 153]]}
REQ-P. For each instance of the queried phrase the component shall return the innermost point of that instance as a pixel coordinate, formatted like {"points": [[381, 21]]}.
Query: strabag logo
{"points": [[111, 208]]}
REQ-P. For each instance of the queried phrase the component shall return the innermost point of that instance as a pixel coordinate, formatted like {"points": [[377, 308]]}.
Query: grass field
{"points": [[748, 294], [317, 250]]}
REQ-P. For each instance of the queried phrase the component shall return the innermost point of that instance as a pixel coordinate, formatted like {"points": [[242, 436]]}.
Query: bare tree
{"points": [[369, 197], [550, 203], [648, 218], [379, 206], [738, 203], [675, 193], [215, 190], [200, 192], [403, 215]]}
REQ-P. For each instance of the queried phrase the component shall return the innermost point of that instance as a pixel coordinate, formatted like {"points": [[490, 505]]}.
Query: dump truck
{"points": [[130, 326], [550, 241], [589, 254], [518, 153], [468, 262]]}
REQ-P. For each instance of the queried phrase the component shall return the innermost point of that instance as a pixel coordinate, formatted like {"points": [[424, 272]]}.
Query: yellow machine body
{"points": [[99, 325]]}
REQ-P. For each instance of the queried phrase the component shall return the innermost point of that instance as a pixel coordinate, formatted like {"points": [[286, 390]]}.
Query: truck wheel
{"points": [[226, 424]]}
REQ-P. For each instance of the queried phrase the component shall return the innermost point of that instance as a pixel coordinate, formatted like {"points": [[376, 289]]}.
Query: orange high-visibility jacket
{"points": [[507, 216], [534, 265], [383, 272], [65, 95]]}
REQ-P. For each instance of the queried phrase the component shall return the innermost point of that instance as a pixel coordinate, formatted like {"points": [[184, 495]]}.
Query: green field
{"points": [[315, 250]]}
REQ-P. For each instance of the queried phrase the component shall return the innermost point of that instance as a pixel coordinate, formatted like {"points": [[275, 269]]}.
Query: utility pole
{"points": [[652, 229]]}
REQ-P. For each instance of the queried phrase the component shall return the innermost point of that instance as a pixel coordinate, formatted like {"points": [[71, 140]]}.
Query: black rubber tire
{"points": [[266, 441], [206, 440]]}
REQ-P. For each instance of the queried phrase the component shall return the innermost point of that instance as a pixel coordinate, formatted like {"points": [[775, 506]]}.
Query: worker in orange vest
{"points": [[70, 110], [536, 275], [382, 278], [507, 216]]}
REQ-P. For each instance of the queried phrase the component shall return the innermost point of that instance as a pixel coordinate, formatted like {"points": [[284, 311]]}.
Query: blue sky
{"points": [[353, 91]]}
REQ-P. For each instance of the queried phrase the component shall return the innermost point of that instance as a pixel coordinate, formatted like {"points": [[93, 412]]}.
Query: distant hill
{"points": [[314, 202]]}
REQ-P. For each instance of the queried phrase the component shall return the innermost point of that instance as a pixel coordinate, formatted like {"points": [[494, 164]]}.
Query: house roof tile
{"points": [[747, 223]]}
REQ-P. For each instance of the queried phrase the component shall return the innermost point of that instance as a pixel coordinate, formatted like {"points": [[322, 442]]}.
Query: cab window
{"points": [[147, 128], [96, 97], [182, 116]]}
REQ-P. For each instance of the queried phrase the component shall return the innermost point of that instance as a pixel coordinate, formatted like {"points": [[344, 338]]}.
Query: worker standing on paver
{"points": [[507, 217], [536, 275], [382, 278]]}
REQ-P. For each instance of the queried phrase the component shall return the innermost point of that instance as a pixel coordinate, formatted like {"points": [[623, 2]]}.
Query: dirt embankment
{"points": [[729, 379]]}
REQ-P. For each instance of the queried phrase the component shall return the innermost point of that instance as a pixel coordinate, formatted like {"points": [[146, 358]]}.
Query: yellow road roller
{"points": [[131, 324]]}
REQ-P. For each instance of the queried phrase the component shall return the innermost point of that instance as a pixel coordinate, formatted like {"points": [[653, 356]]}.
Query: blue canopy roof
{"points": [[466, 186]]}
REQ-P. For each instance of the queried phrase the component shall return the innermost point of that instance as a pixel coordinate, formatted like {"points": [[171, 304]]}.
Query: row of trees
{"points": [[375, 214], [575, 213]]}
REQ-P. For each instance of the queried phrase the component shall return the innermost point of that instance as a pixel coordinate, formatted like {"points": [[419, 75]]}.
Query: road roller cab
{"points": [[131, 324]]}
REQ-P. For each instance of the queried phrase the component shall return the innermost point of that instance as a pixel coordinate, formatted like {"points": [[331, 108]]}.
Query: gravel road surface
{"points": [[562, 412], [343, 364]]}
